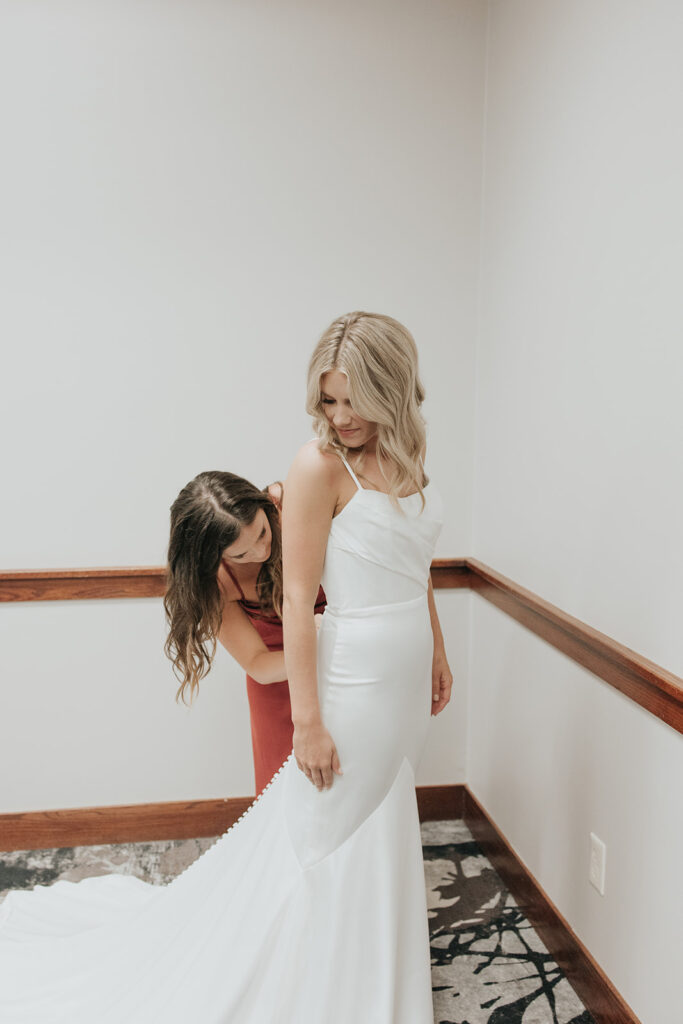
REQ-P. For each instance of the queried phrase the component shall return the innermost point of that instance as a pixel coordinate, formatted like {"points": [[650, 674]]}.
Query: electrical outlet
{"points": [[596, 871]]}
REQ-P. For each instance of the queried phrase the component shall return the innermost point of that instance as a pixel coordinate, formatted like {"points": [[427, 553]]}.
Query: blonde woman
{"points": [[312, 907], [365, 519]]}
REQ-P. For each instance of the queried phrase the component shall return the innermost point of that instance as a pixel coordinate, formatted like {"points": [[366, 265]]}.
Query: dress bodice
{"points": [[378, 553]]}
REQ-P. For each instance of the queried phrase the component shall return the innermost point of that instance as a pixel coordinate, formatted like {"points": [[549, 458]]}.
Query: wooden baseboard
{"points": [[588, 980], [182, 819], [128, 823], [440, 803]]}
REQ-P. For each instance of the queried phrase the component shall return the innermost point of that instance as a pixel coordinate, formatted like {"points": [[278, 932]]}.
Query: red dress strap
{"points": [[234, 579]]}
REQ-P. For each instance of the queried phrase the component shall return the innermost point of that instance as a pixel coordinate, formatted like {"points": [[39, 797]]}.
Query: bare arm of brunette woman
{"points": [[239, 638], [306, 518]]}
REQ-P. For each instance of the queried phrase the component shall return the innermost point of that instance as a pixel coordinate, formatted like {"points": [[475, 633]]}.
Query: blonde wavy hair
{"points": [[379, 357]]}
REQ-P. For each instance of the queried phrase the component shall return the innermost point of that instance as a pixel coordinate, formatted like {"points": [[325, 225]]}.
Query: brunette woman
{"points": [[225, 585]]}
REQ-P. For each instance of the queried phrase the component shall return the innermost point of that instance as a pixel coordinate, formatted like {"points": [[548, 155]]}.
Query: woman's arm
{"points": [[442, 679], [241, 640], [306, 518]]}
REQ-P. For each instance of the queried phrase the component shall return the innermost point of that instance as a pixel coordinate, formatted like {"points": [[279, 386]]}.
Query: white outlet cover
{"points": [[598, 856]]}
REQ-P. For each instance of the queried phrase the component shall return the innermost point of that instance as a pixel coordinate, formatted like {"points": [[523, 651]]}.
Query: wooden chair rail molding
{"points": [[644, 682]]}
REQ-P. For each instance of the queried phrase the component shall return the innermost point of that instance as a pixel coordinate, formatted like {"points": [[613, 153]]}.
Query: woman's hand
{"points": [[442, 681], [316, 754]]}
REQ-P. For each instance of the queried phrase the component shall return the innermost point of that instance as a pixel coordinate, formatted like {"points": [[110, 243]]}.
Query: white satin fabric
{"points": [[312, 907]]}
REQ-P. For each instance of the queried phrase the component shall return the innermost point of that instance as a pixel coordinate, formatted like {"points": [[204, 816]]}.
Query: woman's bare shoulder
{"points": [[314, 466]]}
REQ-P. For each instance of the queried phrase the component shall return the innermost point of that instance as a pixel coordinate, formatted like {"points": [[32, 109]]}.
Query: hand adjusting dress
{"points": [[311, 909]]}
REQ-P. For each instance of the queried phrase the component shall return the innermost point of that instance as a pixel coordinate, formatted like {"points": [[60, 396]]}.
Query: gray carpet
{"points": [[488, 964]]}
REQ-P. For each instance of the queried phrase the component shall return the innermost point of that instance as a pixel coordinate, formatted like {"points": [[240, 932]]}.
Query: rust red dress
{"points": [[270, 709]]}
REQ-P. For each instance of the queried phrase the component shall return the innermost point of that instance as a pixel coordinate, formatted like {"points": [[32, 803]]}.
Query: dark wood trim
{"points": [[643, 681], [440, 803], [652, 687], [82, 584], [147, 581], [586, 977], [128, 823], [182, 819], [451, 574]]}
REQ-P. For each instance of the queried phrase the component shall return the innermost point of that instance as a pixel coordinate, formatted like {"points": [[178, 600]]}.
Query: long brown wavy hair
{"points": [[207, 517]]}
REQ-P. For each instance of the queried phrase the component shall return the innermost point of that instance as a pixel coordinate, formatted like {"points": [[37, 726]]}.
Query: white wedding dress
{"points": [[311, 909]]}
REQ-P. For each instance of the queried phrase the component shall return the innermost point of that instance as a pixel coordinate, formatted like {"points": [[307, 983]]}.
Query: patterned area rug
{"points": [[488, 964]]}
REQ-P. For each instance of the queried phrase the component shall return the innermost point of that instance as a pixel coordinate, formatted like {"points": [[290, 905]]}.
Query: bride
{"points": [[311, 908]]}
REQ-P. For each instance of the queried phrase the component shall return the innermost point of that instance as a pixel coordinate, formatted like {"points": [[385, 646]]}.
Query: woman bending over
{"points": [[225, 584]]}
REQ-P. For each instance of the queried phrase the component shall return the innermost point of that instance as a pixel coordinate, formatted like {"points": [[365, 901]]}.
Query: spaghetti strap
{"points": [[234, 579], [353, 475]]}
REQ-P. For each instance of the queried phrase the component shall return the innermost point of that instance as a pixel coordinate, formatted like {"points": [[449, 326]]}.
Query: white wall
{"points": [[190, 193], [578, 489]]}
